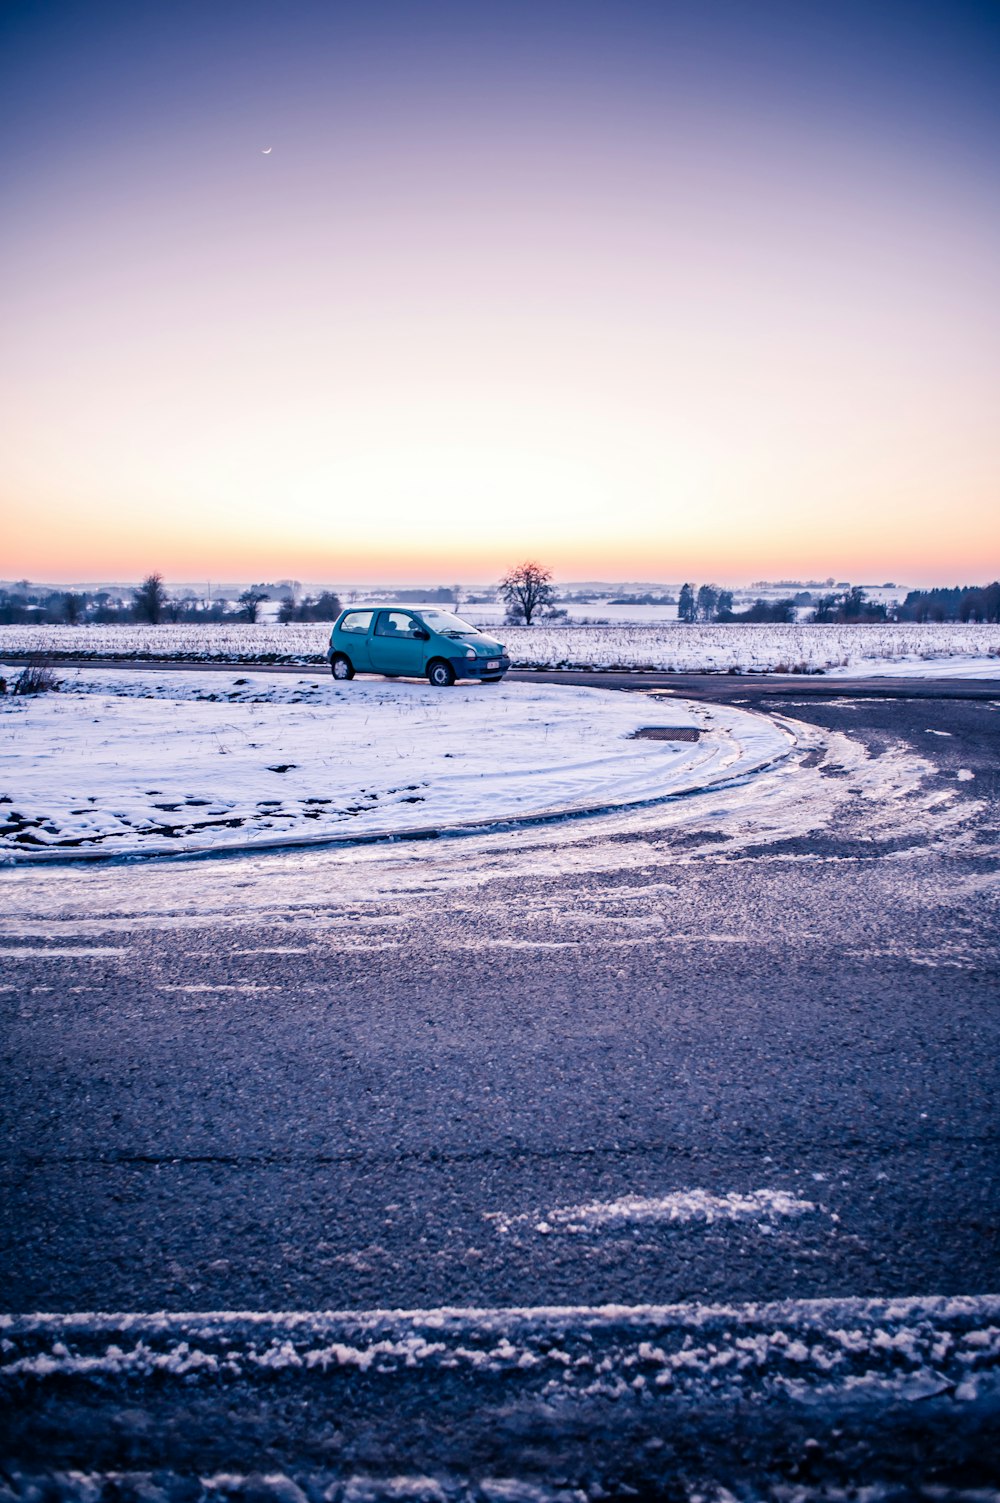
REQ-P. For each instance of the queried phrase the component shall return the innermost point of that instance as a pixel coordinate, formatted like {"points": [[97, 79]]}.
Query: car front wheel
{"points": [[341, 667], [440, 673]]}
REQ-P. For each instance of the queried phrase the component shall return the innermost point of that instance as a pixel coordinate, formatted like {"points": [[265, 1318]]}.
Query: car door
{"points": [[353, 638], [395, 647]]}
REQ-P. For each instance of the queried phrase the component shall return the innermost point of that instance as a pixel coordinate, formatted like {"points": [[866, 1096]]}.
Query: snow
{"points": [[909, 648], [909, 1348], [160, 762], [960, 666], [849, 650], [344, 888], [677, 1207]]}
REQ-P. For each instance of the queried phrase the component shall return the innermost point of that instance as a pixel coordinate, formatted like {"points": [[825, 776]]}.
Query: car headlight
{"points": [[470, 652]]}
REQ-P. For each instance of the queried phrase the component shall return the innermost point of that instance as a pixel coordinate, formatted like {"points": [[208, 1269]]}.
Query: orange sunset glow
{"points": [[395, 302]]}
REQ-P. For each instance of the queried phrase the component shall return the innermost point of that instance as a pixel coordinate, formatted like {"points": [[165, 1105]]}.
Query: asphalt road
{"points": [[483, 1089], [749, 687]]}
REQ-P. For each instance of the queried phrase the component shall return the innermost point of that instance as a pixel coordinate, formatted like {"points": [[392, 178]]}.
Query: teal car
{"points": [[402, 643]]}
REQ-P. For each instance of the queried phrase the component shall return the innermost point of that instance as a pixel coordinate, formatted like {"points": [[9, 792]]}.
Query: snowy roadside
{"points": [[796, 1350], [957, 667], [845, 1398], [130, 763], [910, 648]]}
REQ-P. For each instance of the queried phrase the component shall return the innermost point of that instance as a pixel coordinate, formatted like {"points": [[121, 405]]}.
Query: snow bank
{"points": [[666, 645], [157, 762]]}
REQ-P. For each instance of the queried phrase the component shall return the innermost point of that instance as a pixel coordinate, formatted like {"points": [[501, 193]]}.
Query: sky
{"points": [[411, 292]]}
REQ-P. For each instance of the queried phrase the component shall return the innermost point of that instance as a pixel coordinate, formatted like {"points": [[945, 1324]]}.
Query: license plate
{"points": [[495, 664]]}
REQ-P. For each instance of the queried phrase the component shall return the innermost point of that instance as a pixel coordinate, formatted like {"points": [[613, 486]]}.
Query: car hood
{"points": [[483, 644]]}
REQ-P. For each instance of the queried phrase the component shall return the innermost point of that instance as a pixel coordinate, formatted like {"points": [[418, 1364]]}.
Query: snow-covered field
{"points": [[685, 649], [757, 649], [151, 761]]}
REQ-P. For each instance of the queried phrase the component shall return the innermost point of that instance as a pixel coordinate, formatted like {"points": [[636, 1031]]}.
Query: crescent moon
{"points": [[266, 152]]}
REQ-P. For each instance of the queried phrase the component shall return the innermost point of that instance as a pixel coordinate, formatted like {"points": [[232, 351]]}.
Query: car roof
{"points": [[386, 605]]}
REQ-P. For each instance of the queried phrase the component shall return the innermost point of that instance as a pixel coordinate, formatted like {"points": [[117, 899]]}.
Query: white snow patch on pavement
{"points": [[67, 952], [680, 1206], [155, 762], [799, 1350], [249, 987]]}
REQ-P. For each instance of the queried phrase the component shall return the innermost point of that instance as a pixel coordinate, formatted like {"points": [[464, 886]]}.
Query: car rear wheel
{"points": [[341, 667], [440, 673]]}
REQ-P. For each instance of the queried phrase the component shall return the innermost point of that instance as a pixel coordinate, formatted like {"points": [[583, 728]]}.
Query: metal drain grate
{"points": [[665, 733]]}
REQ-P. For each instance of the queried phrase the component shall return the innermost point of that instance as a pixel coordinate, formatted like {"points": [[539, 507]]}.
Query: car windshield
{"points": [[449, 625]]}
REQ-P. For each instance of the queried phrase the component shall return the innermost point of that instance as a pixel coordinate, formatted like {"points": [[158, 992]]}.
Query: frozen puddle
{"points": [[680, 1206], [154, 762]]}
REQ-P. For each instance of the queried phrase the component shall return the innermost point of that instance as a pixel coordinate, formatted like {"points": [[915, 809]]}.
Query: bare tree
{"points": [[72, 607], [150, 599], [250, 602], [525, 589]]}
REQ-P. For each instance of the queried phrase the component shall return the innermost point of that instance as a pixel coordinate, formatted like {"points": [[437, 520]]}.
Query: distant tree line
{"points": [[152, 603], [850, 606], [960, 603], [708, 603], [324, 607], [648, 599], [438, 595], [526, 591]]}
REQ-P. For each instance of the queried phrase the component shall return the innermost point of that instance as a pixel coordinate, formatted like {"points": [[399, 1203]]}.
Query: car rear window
{"points": [[358, 621]]}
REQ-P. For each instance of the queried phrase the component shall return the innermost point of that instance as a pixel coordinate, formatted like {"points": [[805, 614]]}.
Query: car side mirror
{"points": [[422, 636]]}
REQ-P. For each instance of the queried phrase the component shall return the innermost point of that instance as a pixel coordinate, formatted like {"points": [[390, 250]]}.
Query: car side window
{"points": [[358, 621], [395, 624]]}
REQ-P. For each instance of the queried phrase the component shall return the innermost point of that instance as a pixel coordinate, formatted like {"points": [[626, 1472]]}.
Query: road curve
{"points": [[688, 1067]]}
